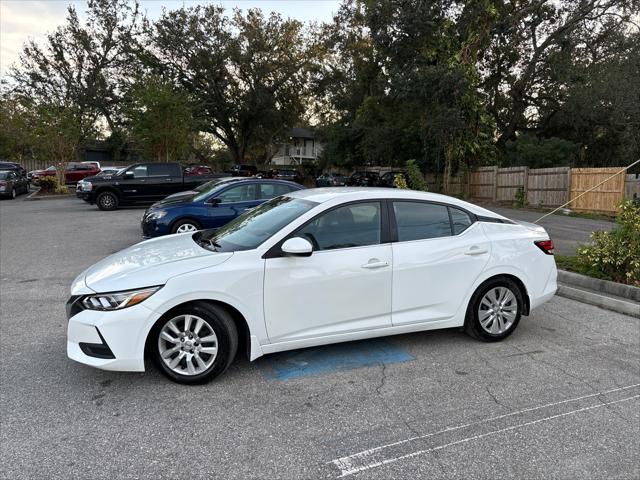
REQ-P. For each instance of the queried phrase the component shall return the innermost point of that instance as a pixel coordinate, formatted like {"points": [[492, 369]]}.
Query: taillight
{"points": [[545, 245], [2, 182]]}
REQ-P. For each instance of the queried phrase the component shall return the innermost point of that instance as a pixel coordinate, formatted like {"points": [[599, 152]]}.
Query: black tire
{"points": [[107, 201], [222, 324], [473, 325], [183, 222]]}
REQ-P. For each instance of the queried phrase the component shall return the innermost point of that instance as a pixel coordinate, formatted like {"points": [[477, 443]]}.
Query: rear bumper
{"points": [[91, 335]]}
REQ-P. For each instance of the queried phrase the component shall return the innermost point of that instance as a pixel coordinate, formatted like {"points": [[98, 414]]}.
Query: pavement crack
{"points": [[383, 378]]}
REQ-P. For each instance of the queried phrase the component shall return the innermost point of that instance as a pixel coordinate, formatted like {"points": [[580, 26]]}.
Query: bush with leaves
{"points": [[48, 184], [415, 177], [617, 253]]}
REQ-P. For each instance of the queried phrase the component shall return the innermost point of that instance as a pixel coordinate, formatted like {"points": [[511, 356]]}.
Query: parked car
{"points": [[12, 183], [203, 187], [211, 208], [139, 183], [16, 167], [104, 172], [243, 170], [388, 179], [30, 175], [311, 267], [198, 170], [363, 179], [74, 172], [289, 175], [331, 180]]}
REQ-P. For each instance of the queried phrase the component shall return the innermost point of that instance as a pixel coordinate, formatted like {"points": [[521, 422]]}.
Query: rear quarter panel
{"points": [[514, 252]]}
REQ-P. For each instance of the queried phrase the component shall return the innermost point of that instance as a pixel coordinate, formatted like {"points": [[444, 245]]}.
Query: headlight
{"points": [[157, 215], [86, 186], [118, 300]]}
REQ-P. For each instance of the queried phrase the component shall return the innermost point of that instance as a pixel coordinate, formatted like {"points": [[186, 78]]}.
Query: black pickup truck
{"points": [[138, 183]]}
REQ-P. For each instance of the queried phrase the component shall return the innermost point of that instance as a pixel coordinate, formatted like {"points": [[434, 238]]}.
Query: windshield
{"points": [[206, 186], [252, 228], [4, 174]]}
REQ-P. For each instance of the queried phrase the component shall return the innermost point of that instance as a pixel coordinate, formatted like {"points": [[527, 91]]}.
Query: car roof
{"points": [[338, 195]]}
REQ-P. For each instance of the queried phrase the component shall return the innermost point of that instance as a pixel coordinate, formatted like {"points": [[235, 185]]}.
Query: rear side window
{"points": [[272, 190], [159, 170], [460, 220], [419, 221], [349, 226]]}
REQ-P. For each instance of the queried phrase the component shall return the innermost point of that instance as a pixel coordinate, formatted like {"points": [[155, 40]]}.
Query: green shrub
{"points": [[617, 253], [521, 197], [48, 184], [415, 177]]}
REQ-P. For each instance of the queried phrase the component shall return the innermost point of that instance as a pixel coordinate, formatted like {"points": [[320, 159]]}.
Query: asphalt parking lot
{"points": [[558, 399]]}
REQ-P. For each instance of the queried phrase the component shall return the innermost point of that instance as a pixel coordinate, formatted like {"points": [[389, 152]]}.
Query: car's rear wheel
{"points": [[495, 310], [195, 344], [185, 226], [107, 201]]}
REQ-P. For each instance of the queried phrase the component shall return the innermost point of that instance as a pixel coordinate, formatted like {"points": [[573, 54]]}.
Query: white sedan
{"points": [[309, 268]]}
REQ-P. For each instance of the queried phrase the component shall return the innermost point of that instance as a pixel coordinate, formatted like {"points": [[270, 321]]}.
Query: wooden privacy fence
{"points": [[552, 187], [604, 198]]}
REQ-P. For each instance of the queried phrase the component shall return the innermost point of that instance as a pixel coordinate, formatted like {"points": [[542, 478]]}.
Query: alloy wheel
{"points": [[188, 345], [186, 228], [107, 201], [498, 310]]}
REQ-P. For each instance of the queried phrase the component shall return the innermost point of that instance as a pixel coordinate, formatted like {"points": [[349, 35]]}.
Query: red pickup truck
{"points": [[72, 174]]}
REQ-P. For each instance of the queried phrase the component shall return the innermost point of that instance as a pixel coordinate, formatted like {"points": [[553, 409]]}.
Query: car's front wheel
{"points": [[107, 201], [495, 310], [185, 226], [195, 343]]}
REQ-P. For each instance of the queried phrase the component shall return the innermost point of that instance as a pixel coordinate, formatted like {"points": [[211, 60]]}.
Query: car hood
{"points": [[172, 201], [145, 264]]}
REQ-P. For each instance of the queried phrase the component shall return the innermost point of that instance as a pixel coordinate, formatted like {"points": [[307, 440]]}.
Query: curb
{"points": [[581, 288], [33, 198], [588, 283]]}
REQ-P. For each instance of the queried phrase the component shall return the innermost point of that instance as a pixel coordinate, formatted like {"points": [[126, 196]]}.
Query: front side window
{"points": [[140, 171], [355, 225], [241, 193], [419, 221]]}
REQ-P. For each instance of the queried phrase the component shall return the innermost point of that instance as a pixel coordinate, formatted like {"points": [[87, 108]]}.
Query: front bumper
{"points": [[92, 334]]}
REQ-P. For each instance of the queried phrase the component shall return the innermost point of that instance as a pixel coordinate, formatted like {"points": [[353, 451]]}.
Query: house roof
{"points": [[298, 132]]}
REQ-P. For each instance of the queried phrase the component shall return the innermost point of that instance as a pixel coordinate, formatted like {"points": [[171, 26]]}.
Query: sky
{"points": [[24, 19]]}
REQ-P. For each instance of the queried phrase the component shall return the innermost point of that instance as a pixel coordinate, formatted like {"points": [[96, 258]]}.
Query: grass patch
{"points": [[573, 264]]}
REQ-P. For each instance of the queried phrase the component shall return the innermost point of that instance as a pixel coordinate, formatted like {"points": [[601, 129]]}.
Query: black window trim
{"points": [[385, 235], [392, 218]]}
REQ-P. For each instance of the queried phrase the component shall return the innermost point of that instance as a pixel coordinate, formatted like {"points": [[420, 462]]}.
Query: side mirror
{"points": [[297, 247], [214, 202], [128, 175]]}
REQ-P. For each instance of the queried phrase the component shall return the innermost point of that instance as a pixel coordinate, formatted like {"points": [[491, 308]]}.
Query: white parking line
{"points": [[346, 464]]}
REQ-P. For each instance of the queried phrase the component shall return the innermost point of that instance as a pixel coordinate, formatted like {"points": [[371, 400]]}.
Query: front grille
{"points": [[74, 306]]}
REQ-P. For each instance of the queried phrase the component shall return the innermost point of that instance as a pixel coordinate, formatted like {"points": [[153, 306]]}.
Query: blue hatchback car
{"points": [[211, 208]]}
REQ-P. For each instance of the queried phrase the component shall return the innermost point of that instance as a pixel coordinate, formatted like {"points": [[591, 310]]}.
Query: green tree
{"points": [[84, 64], [160, 119], [245, 74]]}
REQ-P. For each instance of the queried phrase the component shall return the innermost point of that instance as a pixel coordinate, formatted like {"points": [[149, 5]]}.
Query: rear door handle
{"points": [[374, 265], [476, 251]]}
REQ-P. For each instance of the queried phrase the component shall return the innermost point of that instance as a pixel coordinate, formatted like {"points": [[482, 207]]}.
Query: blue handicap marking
{"points": [[315, 361]]}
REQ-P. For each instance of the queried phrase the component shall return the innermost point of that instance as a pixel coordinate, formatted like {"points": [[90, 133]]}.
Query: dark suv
{"points": [[243, 170], [363, 179]]}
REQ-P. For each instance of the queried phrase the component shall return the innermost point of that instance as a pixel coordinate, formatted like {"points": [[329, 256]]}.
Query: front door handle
{"points": [[476, 251], [372, 265]]}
